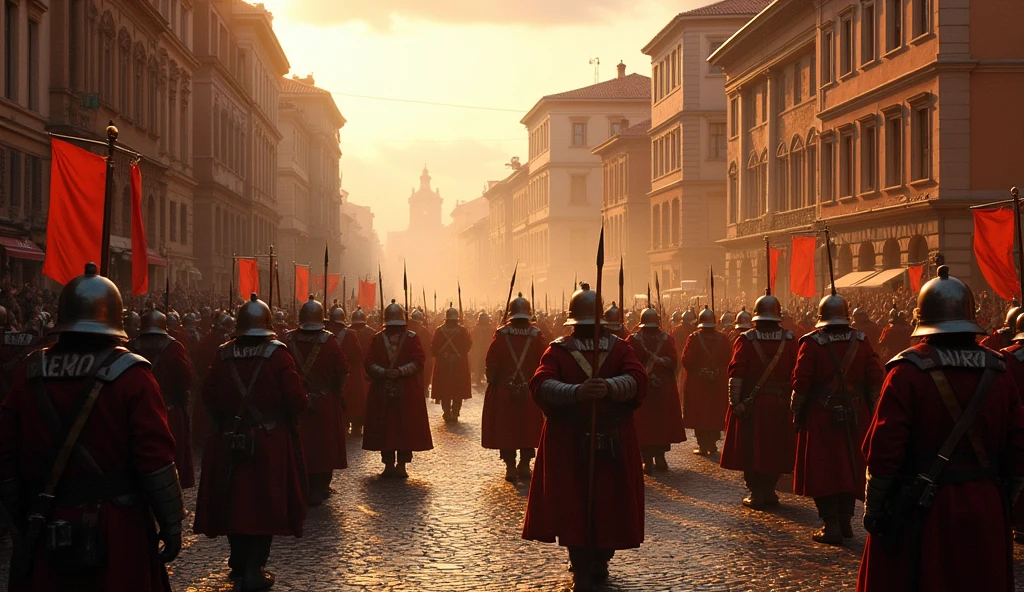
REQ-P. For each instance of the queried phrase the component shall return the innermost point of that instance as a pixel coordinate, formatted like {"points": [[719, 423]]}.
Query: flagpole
{"points": [[1020, 240], [108, 201], [270, 276]]}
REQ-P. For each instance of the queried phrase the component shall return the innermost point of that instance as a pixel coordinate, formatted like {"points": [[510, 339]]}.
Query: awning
{"points": [[155, 258], [852, 279], [881, 278], [20, 248], [123, 245]]}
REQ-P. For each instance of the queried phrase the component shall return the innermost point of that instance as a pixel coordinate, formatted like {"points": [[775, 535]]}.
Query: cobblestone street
{"points": [[455, 526]]}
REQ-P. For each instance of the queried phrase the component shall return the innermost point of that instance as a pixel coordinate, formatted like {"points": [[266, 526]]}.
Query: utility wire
{"points": [[429, 103]]}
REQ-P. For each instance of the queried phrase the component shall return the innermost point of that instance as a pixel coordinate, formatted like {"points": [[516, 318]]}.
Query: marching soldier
{"points": [[362, 331], [835, 387], [613, 322], [15, 347], [1003, 338], [280, 324], [557, 507], [686, 326], [659, 422], [1014, 356], [396, 412], [323, 369], [418, 325], [706, 396], [355, 384], [450, 383], [132, 324], [945, 457], [482, 333], [511, 420], [173, 372], [759, 438], [743, 324], [87, 517], [864, 323], [896, 335], [209, 351], [253, 479]]}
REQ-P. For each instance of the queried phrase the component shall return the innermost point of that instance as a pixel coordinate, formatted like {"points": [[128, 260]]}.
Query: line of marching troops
{"points": [[94, 437]]}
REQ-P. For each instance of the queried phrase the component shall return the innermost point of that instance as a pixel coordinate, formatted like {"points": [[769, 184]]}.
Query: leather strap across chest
{"points": [[393, 351], [652, 356], [518, 359], [769, 364]]}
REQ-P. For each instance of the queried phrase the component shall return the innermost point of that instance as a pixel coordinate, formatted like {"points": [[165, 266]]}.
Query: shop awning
{"points": [[852, 279], [881, 278], [20, 248], [123, 245]]}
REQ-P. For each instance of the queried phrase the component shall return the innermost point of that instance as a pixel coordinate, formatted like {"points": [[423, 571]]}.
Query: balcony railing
{"points": [[776, 221]]}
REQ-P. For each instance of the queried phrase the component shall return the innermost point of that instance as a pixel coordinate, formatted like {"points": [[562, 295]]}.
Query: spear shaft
{"points": [[595, 373], [511, 286]]}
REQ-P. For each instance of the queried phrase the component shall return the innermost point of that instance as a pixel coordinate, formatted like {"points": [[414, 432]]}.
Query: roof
{"points": [[729, 8], [296, 87], [630, 87], [639, 129], [632, 132]]}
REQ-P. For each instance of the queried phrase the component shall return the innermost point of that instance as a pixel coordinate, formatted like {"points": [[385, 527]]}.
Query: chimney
{"points": [[622, 69], [623, 123]]}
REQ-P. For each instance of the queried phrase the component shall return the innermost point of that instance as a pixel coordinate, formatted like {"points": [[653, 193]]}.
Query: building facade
{"points": [[424, 247], [469, 234], [499, 196], [688, 142], [835, 117]]}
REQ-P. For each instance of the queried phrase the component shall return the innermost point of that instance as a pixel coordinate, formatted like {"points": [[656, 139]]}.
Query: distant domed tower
{"points": [[425, 206]]}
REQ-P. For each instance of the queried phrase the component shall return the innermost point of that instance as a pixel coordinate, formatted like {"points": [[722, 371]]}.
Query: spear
{"points": [[622, 289], [344, 292], [435, 301], [533, 298], [768, 254], [828, 251], [380, 290], [459, 284], [231, 282], [326, 260], [424, 299], [657, 287], [167, 294], [277, 283], [712, 288], [575, 281], [563, 300], [595, 366], [405, 289], [650, 303], [511, 285]]}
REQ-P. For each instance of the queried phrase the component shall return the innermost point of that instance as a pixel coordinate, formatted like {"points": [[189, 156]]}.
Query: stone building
{"points": [[499, 196], [424, 246], [688, 142], [469, 235], [835, 117]]}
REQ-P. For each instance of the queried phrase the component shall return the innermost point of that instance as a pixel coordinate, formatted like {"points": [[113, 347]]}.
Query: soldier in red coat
{"points": [[396, 412], [939, 488], [206, 355], [613, 322], [323, 368], [835, 386], [173, 372], [1014, 356], [418, 325], [1003, 337], [511, 420], [15, 348], [87, 519], [451, 383], [355, 385], [759, 438], [253, 482], [743, 324], [659, 422], [706, 396], [896, 335], [482, 333], [864, 323], [557, 507]]}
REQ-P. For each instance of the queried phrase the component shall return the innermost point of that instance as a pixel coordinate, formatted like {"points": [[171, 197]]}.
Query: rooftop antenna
{"points": [[596, 63]]}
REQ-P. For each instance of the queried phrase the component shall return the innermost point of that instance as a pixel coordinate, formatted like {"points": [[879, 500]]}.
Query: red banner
{"points": [[74, 228], [301, 284], [367, 295], [916, 273], [801, 266], [775, 266], [248, 277], [993, 248], [140, 258], [332, 284]]}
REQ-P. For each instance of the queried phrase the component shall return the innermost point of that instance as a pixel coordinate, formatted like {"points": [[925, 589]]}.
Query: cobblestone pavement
{"points": [[455, 526]]}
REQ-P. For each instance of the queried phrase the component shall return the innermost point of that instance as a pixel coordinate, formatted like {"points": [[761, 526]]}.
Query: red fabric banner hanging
{"points": [[332, 283], [301, 284], [140, 258], [74, 227], [367, 295], [916, 273], [775, 266], [993, 248], [248, 277], [801, 266]]}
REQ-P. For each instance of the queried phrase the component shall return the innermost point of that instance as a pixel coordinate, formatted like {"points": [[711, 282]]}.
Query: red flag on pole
{"points": [[775, 266], [801, 266], [248, 277], [367, 295], [916, 273], [993, 248], [301, 284], [140, 257], [332, 283], [74, 227]]}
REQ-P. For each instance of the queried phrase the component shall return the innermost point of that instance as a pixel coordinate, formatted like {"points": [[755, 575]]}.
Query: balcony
{"points": [[777, 221]]}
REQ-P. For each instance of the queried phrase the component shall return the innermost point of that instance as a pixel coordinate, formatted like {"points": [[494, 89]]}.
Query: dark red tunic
{"points": [[266, 493], [355, 385], [763, 441], [511, 420], [822, 461], [964, 540], [895, 338], [425, 336], [557, 505], [451, 345], [706, 396], [999, 340], [322, 426], [127, 432], [1015, 367], [14, 349], [872, 331], [396, 420], [659, 421], [205, 355]]}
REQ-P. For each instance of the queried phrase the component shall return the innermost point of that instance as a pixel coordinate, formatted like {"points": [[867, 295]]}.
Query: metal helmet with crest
{"points": [[833, 311], [451, 314], [613, 317], [337, 316], [650, 318], [359, 316], [744, 320]]}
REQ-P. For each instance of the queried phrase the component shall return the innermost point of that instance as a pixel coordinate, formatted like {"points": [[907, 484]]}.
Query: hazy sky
{"points": [[484, 53]]}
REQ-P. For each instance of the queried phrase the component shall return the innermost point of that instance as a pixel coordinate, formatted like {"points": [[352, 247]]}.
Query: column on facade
{"points": [[773, 141]]}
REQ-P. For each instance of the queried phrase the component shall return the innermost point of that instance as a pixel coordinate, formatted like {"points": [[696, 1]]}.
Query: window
{"points": [[868, 156], [894, 152], [826, 57], [922, 17], [764, 103], [812, 74], [716, 138], [665, 74], [734, 191], [614, 129], [14, 172], [655, 226], [33, 65], [782, 195], [828, 160], [921, 145], [675, 222], [867, 34], [796, 177], [34, 171], [893, 24], [846, 45], [712, 48], [734, 117], [107, 69], [578, 190], [11, 51], [812, 171], [173, 223], [846, 163], [579, 134], [798, 83]]}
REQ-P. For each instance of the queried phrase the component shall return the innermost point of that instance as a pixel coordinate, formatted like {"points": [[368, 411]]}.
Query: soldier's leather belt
{"points": [[953, 476], [92, 489]]}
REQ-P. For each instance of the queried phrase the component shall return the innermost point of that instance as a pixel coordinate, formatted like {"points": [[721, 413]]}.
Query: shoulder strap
{"points": [[246, 403], [769, 368], [963, 422], [519, 358]]}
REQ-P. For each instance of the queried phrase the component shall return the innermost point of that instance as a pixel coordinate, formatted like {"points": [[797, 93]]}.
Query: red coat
{"points": [[266, 494], [396, 421], [425, 336], [871, 330], [706, 395], [14, 349], [659, 421], [126, 432], [965, 540], [822, 460], [557, 504], [205, 355], [365, 335], [895, 338], [451, 379], [355, 385], [173, 372], [1014, 356], [322, 426], [511, 419], [999, 340], [762, 441], [482, 333]]}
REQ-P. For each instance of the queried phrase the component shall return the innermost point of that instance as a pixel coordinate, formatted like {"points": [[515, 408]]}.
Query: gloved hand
{"points": [[172, 545]]}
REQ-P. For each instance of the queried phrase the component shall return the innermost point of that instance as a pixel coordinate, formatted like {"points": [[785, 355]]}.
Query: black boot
{"points": [[254, 577], [847, 504], [582, 569], [828, 510]]}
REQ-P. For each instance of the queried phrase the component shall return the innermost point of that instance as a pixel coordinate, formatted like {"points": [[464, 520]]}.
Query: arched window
{"points": [[811, 156], [762, 183], [666, 223], [752, 194], [891, 254], [797, 174], [782, 195], [866, 257], [917, 251], [734, 197], [845, 260]]}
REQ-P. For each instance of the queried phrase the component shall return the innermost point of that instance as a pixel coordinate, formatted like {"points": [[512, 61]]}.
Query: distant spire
{"points": [[425, 179]]}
